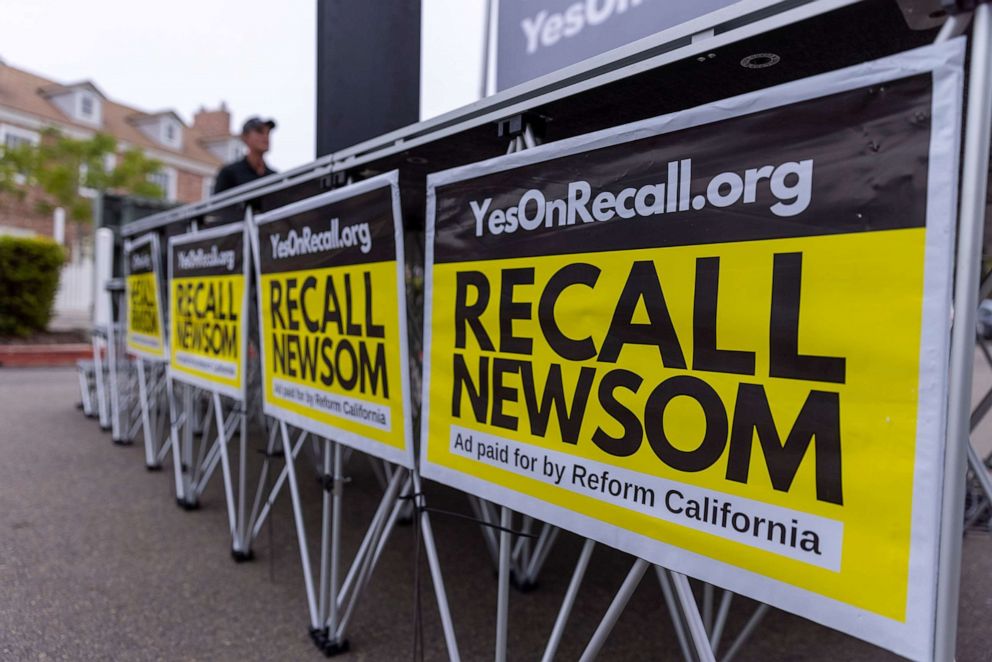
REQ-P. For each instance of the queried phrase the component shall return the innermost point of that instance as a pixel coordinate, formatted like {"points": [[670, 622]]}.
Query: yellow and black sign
{"points": [[145, 336], [720, 348], [332, 314], [208, 300]]}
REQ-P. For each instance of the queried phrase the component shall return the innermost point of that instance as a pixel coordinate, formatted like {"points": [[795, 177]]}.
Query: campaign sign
{"points": [[145, 334], [332, 314], [718, 339], [537, 37], [208, 301]]}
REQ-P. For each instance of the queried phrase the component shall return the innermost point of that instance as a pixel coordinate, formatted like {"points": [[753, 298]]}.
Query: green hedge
{"points": [[29, 279]]}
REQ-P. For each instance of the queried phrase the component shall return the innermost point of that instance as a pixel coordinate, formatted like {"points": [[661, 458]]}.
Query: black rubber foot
{"points": [[522, 586], [187, 505], [91, 416], [241, 557], [327, 646], [123, 442], [153, 467], [105, 428], [333, 648]]}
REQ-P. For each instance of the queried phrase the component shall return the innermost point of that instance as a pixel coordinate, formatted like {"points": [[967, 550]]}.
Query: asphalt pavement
{"points": [[97, 562]]}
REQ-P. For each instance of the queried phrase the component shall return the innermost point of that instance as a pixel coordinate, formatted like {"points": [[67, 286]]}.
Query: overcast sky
{"points": [[257, 56]]}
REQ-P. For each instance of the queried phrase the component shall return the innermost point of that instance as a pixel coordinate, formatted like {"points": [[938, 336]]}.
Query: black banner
{"points": [[140, 259], [357, 230], [810, 169], [219, 256]]}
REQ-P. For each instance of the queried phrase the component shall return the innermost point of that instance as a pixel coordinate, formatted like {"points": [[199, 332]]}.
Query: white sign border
{"points": [[915, 637], [129, 246], [235, 392], [405, 458]]}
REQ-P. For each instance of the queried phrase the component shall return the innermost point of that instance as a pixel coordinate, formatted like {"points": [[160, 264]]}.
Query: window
{"points": [[13, 141], [165, 179], [208, 187], [12, 137], [87, 108], [170, 133]]}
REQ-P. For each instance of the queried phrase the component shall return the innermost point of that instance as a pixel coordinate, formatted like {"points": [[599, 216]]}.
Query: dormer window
{"points": [[171, 133], [81, 102], [87, 107]]}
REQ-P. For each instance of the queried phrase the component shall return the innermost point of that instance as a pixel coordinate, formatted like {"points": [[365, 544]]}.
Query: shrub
{"points": [[29, 279]]}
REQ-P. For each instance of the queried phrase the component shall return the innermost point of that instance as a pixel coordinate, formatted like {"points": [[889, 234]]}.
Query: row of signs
{"points": [[717, 339]]}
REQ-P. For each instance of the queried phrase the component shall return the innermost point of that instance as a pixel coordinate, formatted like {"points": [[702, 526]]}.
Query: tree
{"points": [[59, 167]]}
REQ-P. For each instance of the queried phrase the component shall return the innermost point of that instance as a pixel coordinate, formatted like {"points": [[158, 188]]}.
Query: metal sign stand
{"points": [[119, 371], [331, 603], [974, 183], [153, 403], [100, 377], [192, 473]]}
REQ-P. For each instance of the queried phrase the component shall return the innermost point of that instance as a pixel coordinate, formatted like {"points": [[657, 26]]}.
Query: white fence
{"points": [[74, 299]]}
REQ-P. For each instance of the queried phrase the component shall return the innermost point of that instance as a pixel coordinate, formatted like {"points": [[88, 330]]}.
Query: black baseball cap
{"points": [[253, 123]]}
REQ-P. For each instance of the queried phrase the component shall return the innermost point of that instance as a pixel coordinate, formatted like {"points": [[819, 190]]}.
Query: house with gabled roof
{"points": [[190, 154]]}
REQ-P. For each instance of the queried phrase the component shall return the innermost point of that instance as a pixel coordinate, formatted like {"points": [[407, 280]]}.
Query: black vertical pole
{"points": [[368, 70]]}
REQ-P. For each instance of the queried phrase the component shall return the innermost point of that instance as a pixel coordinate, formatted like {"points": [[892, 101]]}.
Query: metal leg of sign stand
{"points": [[330, 536], [696, 641], [150, 387], [332, 603], [434, 563], [116, 364], [378, 471], [746, 632], [979, 467], [503, 587], [693, 620], [678, 623], [161, 419], [328, 636], [381, 531], [974, 180], [99, 366], [615, 609], [370, 540], [542, 548], [146, 418], [721, 620], [981, 473], [87, 387], [192, 474], [566, 606], [133, 420], [228, 425], [708, 607], [259, 516], [301, 533]]}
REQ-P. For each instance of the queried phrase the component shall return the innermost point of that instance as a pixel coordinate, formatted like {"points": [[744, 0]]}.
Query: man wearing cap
{"points": [[255, 134]]}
